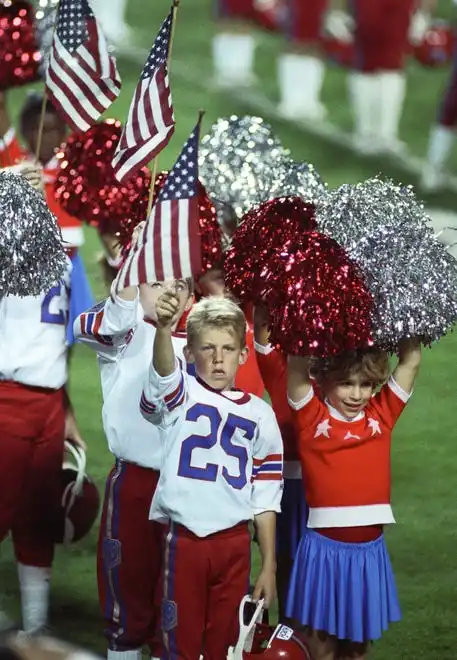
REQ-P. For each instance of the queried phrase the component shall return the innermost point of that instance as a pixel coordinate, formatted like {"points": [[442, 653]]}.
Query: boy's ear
{"points": [[188, 355], [244, 355]]}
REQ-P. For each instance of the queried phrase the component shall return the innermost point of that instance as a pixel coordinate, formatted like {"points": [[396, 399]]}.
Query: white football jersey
{"points": [[222, 453], [123, 340], [33, 336]]}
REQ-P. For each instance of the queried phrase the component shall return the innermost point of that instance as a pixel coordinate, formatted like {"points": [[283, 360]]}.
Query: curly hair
{"points": [[372, 364]]}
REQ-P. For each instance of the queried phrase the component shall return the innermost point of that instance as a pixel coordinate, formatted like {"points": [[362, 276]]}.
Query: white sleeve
{"points": [[109, 326], [267, 468], [163, 396]]}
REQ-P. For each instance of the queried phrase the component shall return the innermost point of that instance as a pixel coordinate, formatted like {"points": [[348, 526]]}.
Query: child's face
{"points": [[217, 354], [54, 133], [212, 283], [350, 396], [150, 293]]}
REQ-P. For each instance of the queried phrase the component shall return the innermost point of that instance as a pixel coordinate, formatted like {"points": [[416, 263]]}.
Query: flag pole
{"points": [[45, 97], [156, 159]]}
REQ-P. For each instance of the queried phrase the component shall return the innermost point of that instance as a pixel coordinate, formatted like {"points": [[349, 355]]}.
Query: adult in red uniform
{"points": [[382, 31]]}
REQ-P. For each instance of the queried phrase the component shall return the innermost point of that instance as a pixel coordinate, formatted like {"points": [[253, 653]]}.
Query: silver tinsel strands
{"points": [[412, 277], [297, 180], [238, 160], [32, 258]]}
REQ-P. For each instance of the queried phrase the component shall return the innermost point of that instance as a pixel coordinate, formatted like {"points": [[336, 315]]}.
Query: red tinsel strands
{"points": [[319, 303], [19, 51], [86, 186], [210, 231], [267, 232]]}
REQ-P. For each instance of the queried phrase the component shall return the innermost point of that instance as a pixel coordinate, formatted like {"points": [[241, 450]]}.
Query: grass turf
{"points": [[423, 543]]}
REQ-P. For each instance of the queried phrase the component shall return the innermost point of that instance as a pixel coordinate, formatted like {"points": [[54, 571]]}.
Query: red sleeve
{"points": [[307, 414], [389, 403], [248, 377], [10, 149], [273, 370]]}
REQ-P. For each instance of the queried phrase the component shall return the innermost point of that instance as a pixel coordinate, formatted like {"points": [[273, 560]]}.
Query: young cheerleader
{"points": [[342, 585]]}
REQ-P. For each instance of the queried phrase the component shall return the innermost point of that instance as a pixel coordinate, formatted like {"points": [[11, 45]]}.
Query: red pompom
{"points": [[318, 303], [86, 186], [266, 232], [19, 52], [437, 47], [210, 231]]}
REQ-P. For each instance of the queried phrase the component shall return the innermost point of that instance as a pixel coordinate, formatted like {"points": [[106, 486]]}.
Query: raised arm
{"points": [[164, 390], [298, 380], [408, 366]]}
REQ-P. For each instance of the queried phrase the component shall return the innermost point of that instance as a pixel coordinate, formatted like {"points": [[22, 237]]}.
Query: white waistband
{"points": [[351, 516]]}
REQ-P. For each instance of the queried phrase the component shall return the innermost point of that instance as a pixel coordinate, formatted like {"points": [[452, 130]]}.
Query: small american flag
{"points": [[81, 78], [168, 246], [151, 122]]}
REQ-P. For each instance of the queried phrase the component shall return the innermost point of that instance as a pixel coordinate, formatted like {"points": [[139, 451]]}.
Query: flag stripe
{"points": [[150, 122], [81, 78]]}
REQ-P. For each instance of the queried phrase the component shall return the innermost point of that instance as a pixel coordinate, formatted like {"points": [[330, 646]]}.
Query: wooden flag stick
{"points": [[41, 127], [170, 48]]}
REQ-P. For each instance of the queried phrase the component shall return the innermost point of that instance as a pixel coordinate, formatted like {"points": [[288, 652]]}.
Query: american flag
{"points": [[81, 78], [151, 122], [168, 246]]}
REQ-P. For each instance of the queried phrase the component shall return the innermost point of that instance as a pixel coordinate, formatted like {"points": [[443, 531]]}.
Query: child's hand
{"points": [[167, 309], [32, 172], [265, 587]]}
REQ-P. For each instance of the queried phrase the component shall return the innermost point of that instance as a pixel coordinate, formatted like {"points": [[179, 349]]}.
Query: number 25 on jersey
{"points": [[54, 309], [218, 433]]}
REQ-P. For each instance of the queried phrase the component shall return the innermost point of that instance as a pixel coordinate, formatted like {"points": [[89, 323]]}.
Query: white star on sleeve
{"points": [[323, 428], [374, 426]]}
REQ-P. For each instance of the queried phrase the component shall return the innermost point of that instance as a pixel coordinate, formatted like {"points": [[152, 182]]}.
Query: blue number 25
{"points": [[224, 437], [59, 316]]}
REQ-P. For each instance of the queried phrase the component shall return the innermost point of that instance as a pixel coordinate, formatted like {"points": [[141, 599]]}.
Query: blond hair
{"points": [[371, 364], [216, 312]]}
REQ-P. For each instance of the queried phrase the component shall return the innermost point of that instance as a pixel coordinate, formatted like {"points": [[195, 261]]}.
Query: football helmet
{"points": [[437, 46], [270, 14], [257, 639], [80, 499]]}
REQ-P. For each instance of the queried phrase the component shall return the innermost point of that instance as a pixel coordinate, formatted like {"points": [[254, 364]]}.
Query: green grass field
{"points": [[423, 544]]}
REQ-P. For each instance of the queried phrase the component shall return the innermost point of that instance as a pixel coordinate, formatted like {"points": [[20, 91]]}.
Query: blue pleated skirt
{"points": [[345, 589], [81, 296], [291, 522]]}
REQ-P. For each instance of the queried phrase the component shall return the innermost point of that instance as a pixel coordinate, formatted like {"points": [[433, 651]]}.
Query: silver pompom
{"points": [[32, 257], [238, 159], [412, 277], [297, 180]]}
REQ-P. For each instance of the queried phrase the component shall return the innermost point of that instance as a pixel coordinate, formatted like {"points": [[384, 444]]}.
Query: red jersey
{"points": [[11, 153], [248, 376], [273, 369], [346, 464]]}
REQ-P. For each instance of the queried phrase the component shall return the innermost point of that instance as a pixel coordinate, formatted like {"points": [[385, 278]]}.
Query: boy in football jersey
{"points": [[35, 419], [222, 467], [11, 152], [121, 330]]}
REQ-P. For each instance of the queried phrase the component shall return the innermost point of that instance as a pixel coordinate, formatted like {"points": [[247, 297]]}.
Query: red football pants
{"points": [[130, 560], [32, 428], [204, 582], [381, 34], [305, 19]]}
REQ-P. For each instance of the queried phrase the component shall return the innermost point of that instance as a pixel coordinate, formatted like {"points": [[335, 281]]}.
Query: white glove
{"points": [[340, 25], [420, 23]]}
